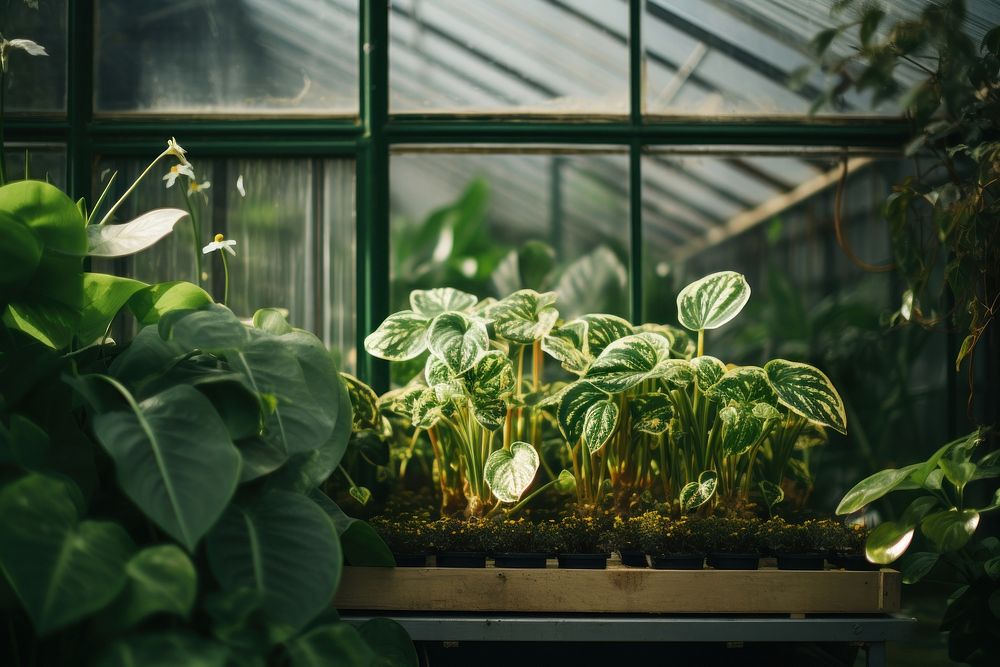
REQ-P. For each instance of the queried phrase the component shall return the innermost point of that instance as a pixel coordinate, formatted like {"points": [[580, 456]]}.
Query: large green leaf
{"points": [[131, 237], [364, 402], [874, 487], [525, 316], [457, 340], [433, 302], [744, 385], [807, 391], [603, 329], [283, 546], [741, 428], [576, 405], [568, 345], [213, 328], [712, 301], [490, 382], [695, 494], [510, 472], [651, 413], [20, 253], [916, 566], [888, 541], [951, 529], [152, 303], [331, 644], [62, 569], [165, 649], [361, 544], [173, 458], [272, 321], [681, 344], [436, 371], [401, 336], [707, 371], [161, 579], [599, 424], [103, 296], [393, 646], [633, 359]]}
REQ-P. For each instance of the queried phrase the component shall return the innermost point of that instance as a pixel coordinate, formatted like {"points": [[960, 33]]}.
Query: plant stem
{"points": [[225, 269], [524, 501], [132, 187], [196, 232], [701, 342]]}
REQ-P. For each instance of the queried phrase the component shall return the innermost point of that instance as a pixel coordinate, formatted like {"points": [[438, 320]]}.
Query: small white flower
{"points": [[176, 171], [26, 45], [174, 148], [194, 187], [220, 243], [239, 186]]}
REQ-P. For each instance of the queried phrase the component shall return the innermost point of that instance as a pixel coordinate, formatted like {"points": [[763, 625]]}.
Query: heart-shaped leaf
{"points": [[436, 371], [213, 328], [62, 569], [103, 296], [633, 359], [173, 458], [681, 344], [707, 371], [271, 320], [161, 579], [807, 391], [771, 493], [603, 329], [599, 424], [361, 544], [874, 487], [510, 472], [695, 494], [651, 413], [568, 345], [152, 303], [575, 405], [888, 541], [458, 341], [364, 402], [401, 336], [745, 385], [284, 547], [490, 382], [390, 641], [525, 316], [741, 429], [712, 301], [433, 302], [952, 529], [131, 237]]}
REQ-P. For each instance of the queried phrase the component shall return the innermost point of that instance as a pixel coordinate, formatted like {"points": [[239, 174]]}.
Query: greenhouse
{"points": [[471, 332]]}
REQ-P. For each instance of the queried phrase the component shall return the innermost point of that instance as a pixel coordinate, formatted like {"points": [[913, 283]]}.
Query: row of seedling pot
{"points": [[650, 539]]}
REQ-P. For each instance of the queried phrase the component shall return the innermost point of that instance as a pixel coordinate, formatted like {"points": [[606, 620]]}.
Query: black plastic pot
{"points": [[810, 561], [855, 563], [520, 559], [633, 558], [583, 561], [679, 562], [734, 561], [411, 560], [461, 559]]}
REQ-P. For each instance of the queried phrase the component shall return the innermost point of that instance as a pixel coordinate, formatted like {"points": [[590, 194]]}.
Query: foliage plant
{"points": [[159, 497]]}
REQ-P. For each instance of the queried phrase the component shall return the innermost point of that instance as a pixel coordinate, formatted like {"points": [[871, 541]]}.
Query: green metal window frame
{"points": [[369, 137]]}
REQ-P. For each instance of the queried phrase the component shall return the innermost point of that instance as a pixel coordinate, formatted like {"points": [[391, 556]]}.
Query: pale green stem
{"points": [[701, 342], [524, 501], [196, 232], [132, 187], [225, 270]]}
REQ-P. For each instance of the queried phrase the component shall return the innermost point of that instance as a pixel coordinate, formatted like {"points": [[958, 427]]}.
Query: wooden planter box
{"points": [[619, 589]]}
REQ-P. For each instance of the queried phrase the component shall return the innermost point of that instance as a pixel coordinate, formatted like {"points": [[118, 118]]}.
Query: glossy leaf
{"points": [[510, 472], [599, 424], [103, 296], [681, 344], [651, 413], [433, 302], [61, 569], [131, 237], [707, 371], [331, 644], [888, 541], [436, 371], [457, 340], [772, 493], [490, 382], [271, 320], [213, 328], [633, 359], [525, 316], [174, 459], [161, 579], [695, 494], [364, 403], [602, 330], [916, 566], [741, 429], [745, 385], [361, 544], [577, 400], [284, 547], [807, 391], [401, 336], [568, 345], [951, 529], [362, 494], [150, 304], [872, 488], [712, 301]]}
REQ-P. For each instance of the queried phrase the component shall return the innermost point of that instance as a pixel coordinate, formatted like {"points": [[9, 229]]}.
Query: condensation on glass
{"points": [[43, 162], [35, 84], [492, 223], [294, 233], [239, 57], [508, 56]]}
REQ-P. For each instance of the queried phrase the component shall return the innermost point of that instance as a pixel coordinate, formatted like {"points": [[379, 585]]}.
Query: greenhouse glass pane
{"points": [[490, 224], [294, 233], [733, 57], [35, 83], [239, 57], [46, 162], [509, 56]]}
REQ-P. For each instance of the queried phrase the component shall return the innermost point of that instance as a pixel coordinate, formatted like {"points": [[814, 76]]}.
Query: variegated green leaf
{"points": [[712, 301], [771, 493], [599, 423], [492, 376], [433, 302], [360, 493], [745, 385], [458, 341], [695, 494], [807, 391], [651, 413], [425, 408], [707, 371], [741, 428], [510, 472], [364, 401], [568, 345], [681, 345], [577, 399], [630, 360], [436, 371], [491, 413], [400, 401], [525, 316], [565, 482], [602, 330], [401, 336], [765, 411], [482, 309]]}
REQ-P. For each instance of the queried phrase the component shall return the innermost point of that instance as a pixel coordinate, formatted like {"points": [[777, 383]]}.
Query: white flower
{"points": [[195, 187], [26, 45], [220, 243], [239, 186], [176, 171], [174, 148]]}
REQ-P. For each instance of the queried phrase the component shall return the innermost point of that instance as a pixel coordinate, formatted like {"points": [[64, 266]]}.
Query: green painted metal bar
{"points": [[637, 94], [229, 146], [373, 187], [79, 95], [256, 128]]}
